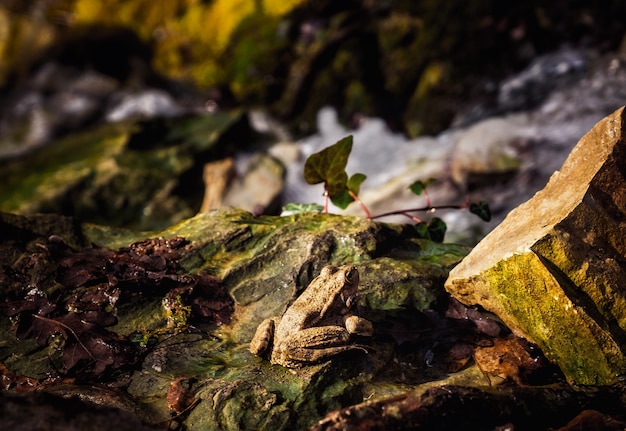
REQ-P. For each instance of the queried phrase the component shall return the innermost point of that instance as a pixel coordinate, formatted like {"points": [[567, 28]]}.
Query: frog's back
{"points": [[292, 321]]}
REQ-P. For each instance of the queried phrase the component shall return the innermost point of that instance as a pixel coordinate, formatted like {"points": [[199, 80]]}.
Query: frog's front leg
{"points": [[313, 345], [263, 340], [359, 326]]}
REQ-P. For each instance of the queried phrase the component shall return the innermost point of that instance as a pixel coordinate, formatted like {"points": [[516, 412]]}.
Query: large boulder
{"points": [[555, 270], [169, 315]]}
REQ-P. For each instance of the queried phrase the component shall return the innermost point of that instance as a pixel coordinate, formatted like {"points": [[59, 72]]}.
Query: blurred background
{"points": [[138, 113]]}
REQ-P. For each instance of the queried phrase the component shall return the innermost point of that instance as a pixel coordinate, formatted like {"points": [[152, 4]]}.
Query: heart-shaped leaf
{"points": [[329, 166], [344, 198], [435, 229], [354, 183], [418, 187], [481, 209], [341, 199]]}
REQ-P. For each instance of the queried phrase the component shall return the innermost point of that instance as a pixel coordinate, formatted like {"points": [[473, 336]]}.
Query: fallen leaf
{"points": [[96, 281], [179, 395], [513, 358]]}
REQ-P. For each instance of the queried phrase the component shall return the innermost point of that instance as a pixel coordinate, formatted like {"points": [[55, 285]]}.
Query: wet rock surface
{"points": [[450, 407], [144, 174], [48, 412], [158, 325], [145, 315]]}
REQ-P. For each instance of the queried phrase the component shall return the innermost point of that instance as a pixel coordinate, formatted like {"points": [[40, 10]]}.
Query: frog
{"points": [[318, 325]]}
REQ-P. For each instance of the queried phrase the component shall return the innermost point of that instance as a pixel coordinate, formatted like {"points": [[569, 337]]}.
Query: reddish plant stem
{"points": [[412, 217], [325, 201], [422, 209], [360, 202]]}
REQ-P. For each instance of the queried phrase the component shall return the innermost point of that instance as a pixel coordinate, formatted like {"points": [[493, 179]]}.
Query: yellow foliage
{"points": [[20, 40], [280, 7], [430, 78], [4, 41], [224, 16], [188, 35]]}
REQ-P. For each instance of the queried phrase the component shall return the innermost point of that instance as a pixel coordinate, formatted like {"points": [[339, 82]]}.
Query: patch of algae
{"points": [[124, 174], [531, 301]]}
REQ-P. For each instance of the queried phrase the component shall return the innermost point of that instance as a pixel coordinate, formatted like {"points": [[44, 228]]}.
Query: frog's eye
{"points": [[351, 275]]}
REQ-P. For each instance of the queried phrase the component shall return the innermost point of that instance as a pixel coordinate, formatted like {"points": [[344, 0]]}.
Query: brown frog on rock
{"points": [[318, 325]]}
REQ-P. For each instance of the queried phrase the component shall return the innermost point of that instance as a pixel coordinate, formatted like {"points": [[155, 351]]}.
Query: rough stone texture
{"points": [[263, 263], [555, 270]]}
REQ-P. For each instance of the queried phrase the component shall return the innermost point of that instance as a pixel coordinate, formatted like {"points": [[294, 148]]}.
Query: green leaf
{"points": [[437, 229], [481, 209], [418, 186], [354, 183], [329, 166], [337, 184], [422, 229], [434, 230], [341, 199]]}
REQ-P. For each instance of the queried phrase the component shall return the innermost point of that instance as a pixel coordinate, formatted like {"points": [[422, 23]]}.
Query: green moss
{"points": [[390, 285], [529, 299], [597, 276], [190, 38], [39, 180], [125, 174]]}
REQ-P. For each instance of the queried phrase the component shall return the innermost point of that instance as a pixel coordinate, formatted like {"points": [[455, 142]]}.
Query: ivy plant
{"points": [[328, 166]]}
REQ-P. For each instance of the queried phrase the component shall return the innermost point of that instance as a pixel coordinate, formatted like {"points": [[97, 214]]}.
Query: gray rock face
{"points": [[554, 271]]}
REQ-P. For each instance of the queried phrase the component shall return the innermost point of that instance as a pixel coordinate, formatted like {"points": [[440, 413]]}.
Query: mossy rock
{"points": [[553, 269], [262, 263], [143, 175]]}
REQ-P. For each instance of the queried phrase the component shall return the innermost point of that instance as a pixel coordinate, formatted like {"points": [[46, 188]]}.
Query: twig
{"points": [[178, 415], [412, 217], [45, 319]]}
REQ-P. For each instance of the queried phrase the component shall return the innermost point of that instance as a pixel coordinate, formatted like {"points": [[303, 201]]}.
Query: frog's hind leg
{"points": [[316, 344]]}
